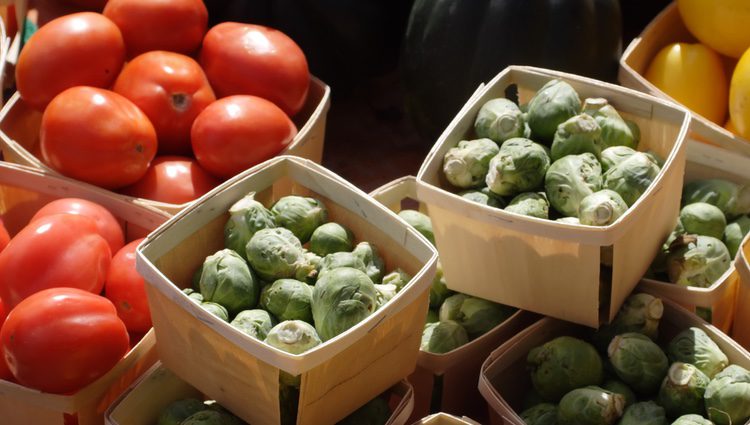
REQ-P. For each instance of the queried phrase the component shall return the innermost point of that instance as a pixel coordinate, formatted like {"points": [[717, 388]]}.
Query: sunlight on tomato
{"points": [[719, 24], [174, 180]]}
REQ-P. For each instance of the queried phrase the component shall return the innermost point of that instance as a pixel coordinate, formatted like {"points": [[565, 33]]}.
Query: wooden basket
{"points": [[445, 419], [144, 401], [505, 379], [546, 266], [23, 191], [741, 326], [241, 372], [459, 368], [19, 134], [667, 28]]}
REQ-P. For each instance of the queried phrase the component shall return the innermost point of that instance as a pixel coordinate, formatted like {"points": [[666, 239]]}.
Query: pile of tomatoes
{"points": [[144, 92]]}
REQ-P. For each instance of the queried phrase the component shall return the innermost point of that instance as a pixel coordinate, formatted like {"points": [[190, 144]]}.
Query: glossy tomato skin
{"points": [[61, 339], [106, 223], [256, 60], [97, 136], [127, 291], [78, 49], [171, 89], [174, 180], [173, 25], [4, 236], [60, 250], [237, 132]]}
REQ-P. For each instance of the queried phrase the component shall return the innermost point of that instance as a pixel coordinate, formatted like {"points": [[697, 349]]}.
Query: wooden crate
{"points": [[23, 191], [741, 327], [241, 372], [19, 133], [445, 419], [550, 267]]}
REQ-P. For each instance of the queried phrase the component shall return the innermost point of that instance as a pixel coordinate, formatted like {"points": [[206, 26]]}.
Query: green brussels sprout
{"points": [[374, 265], [532, 398], [443, 336], [552, 105], [499, 119], [727, 396], [692, 420], [193, 295], [614, 155], [635, 130], [277, 254], [483, 196], [732, 198], [300, 215], [228, 280], [196, 280], [246, 217], [639, 313], [432, 316], [615, 131], [227, 417], [575, 136], [439, 290], [331, 237], [256, 323], [478, 316], [420, 222], [541, 414], [340, 259], [601, 208], [217, 310], [694, 346], [700, 218], [293, 336], [519, 166], [533, 204], [655, 158], [562, 365], [631, 177], [397, 277], [375, 412], [288, 299], [619, 387], [342, 298], [697, 260], [569, 220], [205, 417], [681, 392], [570, 179], [179, 410], [386, 292], [466, 165], [590, 406], [644, 413], [638, 362], [734, 233]]}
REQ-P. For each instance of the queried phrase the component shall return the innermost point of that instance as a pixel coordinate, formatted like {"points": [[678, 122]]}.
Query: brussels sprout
{"points": [[179, 410], [541, 414], [639, 313], [288, 299], [246, 217], [532, 398], [420, 222], [697, 260], [615, 131], [638, 361], [635, 130], [193, 295], [439, 290], [644, 413], [601, 208], [205, 417], [499, 119], [340, 259], [227, 417], [692, 420], [397, 277], [563, 364], [735, 232], [293, 336], [229, 281], [466, 165], [432, 316], [478, 316], [195, 283], [694, 346], [700, 218], [570, 179], [256, 323], [732, 198], [552, 105], [614, 155], [483, 196], [590, 406], [727, 396], [443, 336], [217, 310], [619, 387], [300, 215], [575, 136], [386, 292], [375, 412], [277, 254], [631, 177], [569, 220], [519, 166], [342, 298], [533, 204], [331, 237], [682, 391], [374, 265]]}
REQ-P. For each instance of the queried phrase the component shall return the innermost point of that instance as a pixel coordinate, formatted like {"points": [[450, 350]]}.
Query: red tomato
{"points": [[61, 250], [79, 49], [59, 340], [237, 132], [4, 371], [174, 180], [127, 291], [107, 225], [173, 25], [171, 89], [256, 60], [4, 236], [97, 136]]}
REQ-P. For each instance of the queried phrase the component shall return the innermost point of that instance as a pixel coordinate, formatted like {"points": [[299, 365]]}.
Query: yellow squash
{"points": [[723, 25]]}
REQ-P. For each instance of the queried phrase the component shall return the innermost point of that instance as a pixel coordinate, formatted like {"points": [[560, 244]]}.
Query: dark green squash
{"points": [[451, 46]]}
